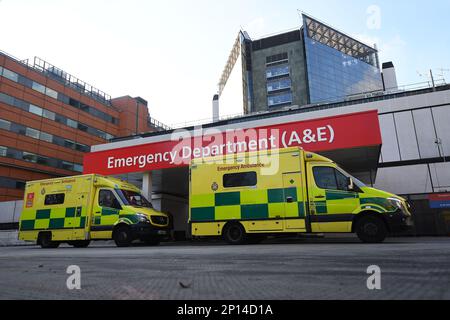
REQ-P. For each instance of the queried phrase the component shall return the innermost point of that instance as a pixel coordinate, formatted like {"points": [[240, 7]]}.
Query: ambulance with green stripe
{"points": [[76, 210], [287, 191]]}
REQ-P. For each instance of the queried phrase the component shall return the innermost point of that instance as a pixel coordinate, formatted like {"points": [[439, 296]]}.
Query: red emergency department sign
{"points": [[175, 150]]}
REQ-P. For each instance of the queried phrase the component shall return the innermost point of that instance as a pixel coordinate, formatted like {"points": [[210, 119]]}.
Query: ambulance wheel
{"points": [[371, 229], [234, 233], [45, 241], [80, 244], [122, 236]]}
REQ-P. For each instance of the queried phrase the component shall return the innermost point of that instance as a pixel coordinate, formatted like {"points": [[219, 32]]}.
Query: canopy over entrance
{"points": [[352, 140]]}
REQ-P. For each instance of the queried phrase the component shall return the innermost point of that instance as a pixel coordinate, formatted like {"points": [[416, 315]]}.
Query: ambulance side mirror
{"points": [[350, 184]]}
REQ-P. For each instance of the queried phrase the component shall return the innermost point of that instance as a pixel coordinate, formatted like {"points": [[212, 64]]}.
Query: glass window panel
{"points": [[10, 75], [46, 137], [63, 98], [46, 161], [30, 157], [69, 144], [4, 124], [78, 167], [38, 87], [67, 165], [82, 127], [279, 99], [51, 93], [277, 71], [244, 179], [13, 153], [54, 199], [32, 133], [72, 123], [3, 151], [36, 110], [18, 128], [25, 81], [325, 178], [279, 85], [49, 114], [6, 99]]}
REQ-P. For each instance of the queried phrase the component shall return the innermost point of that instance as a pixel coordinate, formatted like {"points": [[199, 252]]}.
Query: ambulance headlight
{"points": [[142, 218], [396, 202]]}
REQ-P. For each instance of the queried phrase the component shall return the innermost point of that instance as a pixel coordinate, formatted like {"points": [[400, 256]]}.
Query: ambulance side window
{"points": [[243, 179], [330, 179], [53, 199], [325, 178], [107, 199]]}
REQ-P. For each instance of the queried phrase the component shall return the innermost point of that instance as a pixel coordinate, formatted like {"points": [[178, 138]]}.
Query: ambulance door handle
{"points": [[289, 200]]}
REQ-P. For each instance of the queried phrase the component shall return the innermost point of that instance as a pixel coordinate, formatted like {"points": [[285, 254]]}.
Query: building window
{"points": [[244, 179], [51, 93], [77, 167], [30, 157], [72, 123], [279, 99], [38, 87], [6, 125], [46, 137], [278, 71], [32, 133], [49, 115], [34, 158], [52, 116], [3, 151], [36, 110], [9, 183], [277, 85], [10, 75]]}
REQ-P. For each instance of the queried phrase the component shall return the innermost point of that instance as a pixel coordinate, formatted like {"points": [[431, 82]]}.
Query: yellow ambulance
{"points": [[288, 191], [76, 210]]}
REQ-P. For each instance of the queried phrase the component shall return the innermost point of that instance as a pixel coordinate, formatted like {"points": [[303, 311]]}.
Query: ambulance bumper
{"points": [[399, 221], [146, 230]]}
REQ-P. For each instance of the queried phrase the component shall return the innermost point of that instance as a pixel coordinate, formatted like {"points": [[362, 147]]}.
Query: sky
{"points": [[172, 52]]}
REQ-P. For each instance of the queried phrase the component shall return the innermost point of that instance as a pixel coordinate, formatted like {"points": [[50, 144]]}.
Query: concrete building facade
{"points": [[314, 63], [50, 119]]}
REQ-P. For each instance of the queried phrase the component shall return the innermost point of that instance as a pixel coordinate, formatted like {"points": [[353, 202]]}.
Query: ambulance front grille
{"points": [[160, 220]]}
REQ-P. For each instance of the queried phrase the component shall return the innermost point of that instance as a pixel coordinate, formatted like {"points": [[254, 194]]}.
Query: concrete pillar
{"points": [[147, 185], [389, 77]]}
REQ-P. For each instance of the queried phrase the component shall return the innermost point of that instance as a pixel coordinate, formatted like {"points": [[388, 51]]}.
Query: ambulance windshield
{"points": [[357, 182], [134, 199]]}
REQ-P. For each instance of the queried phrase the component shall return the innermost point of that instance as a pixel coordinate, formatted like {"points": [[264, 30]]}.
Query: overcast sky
{"points": [[172, 52]]}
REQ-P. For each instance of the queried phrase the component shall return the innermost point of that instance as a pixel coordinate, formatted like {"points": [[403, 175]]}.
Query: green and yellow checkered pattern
{"points": [[272, 204], [55, 218], [247, 205], [109, 216]]}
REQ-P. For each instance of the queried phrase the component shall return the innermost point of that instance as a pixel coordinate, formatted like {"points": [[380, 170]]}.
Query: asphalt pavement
{"points": [[329, 268]]}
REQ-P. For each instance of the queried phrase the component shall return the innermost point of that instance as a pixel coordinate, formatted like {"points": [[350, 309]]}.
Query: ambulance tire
{"points": [[371, 229], [234, 233], [122, 236], [45, 241], [80, 244]]}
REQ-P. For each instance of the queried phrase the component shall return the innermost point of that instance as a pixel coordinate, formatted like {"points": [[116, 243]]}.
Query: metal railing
{"points": [[63, 77], [159, 126], [339, 101]]}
